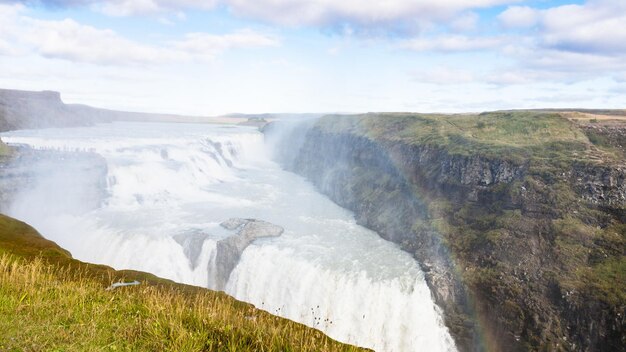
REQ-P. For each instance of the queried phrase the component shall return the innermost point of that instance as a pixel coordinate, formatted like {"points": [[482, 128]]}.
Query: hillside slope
{"points": [[49, 301], [517, 218]]}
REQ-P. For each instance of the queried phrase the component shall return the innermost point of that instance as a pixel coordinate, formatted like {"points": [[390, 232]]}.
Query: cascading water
{"points": [[169, 186]]}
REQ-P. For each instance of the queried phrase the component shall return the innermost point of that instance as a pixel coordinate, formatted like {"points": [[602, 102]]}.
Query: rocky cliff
{"points": [[517, 219]]}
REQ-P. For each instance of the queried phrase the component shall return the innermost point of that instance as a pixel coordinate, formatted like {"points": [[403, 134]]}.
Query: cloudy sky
{"points": [[207, 57]]}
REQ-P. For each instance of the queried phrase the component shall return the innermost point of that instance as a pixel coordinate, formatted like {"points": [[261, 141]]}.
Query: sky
{"points": [[211, 57]]}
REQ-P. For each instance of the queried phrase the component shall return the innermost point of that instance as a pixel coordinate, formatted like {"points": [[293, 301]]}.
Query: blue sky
{"points": [[209, 57]]}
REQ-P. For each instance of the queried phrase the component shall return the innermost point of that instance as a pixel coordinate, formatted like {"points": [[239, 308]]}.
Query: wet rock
{"points": [[192, 245], [229, 250], [601, 185]]}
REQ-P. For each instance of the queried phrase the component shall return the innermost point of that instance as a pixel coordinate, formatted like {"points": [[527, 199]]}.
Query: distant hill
{"points": [[274, 116], [23, 109], [28, 109]]}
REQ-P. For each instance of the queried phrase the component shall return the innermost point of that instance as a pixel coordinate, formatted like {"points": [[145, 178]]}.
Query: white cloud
{"points": [[574, 62], [465, 22], [390, 14], [568, 43], [8, 30], [357, 12], [126, 8], [139, 7], [598, 26], [564, 99], [444, 75], [452, 43], [620, 77], [541, 65], [70, 40], [509, 77], [519, 16], [73, 41], [209, 45]]}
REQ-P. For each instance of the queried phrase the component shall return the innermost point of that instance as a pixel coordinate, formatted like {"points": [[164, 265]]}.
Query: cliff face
{"points": [[522, 245]]}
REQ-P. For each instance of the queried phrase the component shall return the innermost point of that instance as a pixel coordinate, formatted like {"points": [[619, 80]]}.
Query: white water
{"points": [[165, 180]]}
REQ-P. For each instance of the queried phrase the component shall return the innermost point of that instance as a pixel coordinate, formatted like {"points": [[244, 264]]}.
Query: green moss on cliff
{"points": [[603, 273], [606, 281]]}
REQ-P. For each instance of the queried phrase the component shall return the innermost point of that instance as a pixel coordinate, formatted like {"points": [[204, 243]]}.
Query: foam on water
{"points": [[169, 180]]}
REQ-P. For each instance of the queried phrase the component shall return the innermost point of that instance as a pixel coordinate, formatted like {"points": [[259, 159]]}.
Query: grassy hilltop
{"points": [[543, 138], [51, 302]]}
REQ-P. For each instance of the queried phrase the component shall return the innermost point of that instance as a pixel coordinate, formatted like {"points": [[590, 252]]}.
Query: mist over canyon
{"points": [[396, 232]]}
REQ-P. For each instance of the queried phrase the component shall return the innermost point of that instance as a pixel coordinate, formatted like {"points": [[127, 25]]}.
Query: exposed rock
{"points": [[609, 133], [600, 185], [229, 250], [192, 245]]}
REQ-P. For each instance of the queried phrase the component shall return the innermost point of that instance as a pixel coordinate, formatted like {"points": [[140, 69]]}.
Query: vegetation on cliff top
{"points": [[519, 136], [49, 301], [4, 150]]}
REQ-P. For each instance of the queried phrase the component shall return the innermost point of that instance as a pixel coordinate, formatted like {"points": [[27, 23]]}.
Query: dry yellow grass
{"points": [[589, 116]]}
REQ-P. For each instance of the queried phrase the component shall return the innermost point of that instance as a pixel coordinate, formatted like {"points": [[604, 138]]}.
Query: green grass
{"points": [[539, 137], [604, 278], [607, 281], [51, 302], [4, 150]]}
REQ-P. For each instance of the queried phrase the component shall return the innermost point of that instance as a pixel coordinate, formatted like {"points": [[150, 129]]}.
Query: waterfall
{"points": [[167, 188]]}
